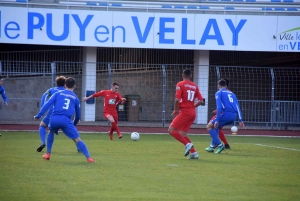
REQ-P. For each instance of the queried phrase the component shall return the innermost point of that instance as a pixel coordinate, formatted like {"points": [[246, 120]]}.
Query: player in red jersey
{"points": [[111, 98], [221, 133], [186, 93]]}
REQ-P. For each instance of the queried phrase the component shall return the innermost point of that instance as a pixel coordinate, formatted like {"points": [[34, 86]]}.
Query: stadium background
{"points": [[266, 83]]}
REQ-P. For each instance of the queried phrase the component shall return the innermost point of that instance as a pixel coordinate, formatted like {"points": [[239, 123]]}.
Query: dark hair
{"points": [[222, 83], [70, 82], [187, 73], [226, 80], [115, 84], [60, 81]]}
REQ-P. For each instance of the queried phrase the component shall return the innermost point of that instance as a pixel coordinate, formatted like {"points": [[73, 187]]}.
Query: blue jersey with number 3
{"points": [[227, 103], [65, 103]]}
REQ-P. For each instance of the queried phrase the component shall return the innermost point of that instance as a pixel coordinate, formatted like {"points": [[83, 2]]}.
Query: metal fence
{"points": [[269, 97]]}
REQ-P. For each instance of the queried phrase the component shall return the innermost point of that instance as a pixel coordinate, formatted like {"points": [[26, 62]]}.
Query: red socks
{"points": [[183, 140], [114, 127], [188, 139], [111, 130], [179, 137], [222, 137]]}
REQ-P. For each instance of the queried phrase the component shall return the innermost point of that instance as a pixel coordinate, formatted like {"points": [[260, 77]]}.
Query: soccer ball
{"points": [[135, 136], [234, 129]]}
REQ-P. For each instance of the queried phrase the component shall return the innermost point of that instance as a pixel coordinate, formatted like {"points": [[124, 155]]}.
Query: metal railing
{"points": [[260, 90]]}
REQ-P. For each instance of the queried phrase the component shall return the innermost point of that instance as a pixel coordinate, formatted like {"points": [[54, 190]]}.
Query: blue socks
{"points": [[215, 138], [50, 141], [42, 131], [82, 147]]}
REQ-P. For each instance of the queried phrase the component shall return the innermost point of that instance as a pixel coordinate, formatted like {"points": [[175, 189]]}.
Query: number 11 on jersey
{"points": [[191, 95]]}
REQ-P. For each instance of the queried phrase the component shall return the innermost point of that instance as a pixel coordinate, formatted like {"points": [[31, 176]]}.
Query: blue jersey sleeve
{"points": [[46, 106], [2, 91], [77, 111], [219, 104], [45, 96], [238, 111]]}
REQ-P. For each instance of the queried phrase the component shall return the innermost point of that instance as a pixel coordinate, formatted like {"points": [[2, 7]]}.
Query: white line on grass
{"points": [[262, 145], [173, 165]]}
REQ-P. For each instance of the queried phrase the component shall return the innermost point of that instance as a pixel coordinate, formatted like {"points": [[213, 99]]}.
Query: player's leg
{"points": [[175, 133], [116, 118], [214, 135], [173, 130], [178, 125], [190, 118], [70, 131], [110, 118], [53, 127], [214, 112], [194, 154], [43, 132], [223, 138], [224, 120], [50, 140]]}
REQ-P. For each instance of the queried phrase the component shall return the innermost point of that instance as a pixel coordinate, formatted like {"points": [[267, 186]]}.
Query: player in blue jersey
{"points": [[65, 103], [227, 110], [60, 83], [2, 91]]}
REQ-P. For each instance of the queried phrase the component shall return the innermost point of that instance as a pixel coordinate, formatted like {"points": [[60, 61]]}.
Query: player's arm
{"points": [[219, 105], [176, 106], [45, 96], [46, 106], [77, 112], [177, 100], [4, 97], [199, 97], [239, 114], [123, 100], [100, 93]]}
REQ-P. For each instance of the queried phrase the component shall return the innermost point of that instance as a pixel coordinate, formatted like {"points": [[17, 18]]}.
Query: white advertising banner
{"points": [[149, 30]]}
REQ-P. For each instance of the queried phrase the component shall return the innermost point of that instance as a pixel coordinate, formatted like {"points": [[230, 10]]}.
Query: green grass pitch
{"points": [[152, 168]]}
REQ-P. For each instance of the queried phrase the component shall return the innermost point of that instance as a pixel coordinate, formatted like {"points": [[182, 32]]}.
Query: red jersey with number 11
{"points": [[187, 92], [110, 100]]}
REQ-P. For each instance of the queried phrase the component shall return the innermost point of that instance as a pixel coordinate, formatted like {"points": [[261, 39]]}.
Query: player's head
{"points": [[60, 81], [70, 83], [227, 81], [114, 87], [222, 84], [187, 74], [1, 80]]}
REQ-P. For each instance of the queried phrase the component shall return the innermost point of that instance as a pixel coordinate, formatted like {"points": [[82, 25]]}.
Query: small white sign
{"points": [[134, 103], [121, 107]]}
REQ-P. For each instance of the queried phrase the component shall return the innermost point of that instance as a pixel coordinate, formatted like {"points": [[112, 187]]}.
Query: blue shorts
{"points": [[46, 119], [225, 119], [65, 124]]}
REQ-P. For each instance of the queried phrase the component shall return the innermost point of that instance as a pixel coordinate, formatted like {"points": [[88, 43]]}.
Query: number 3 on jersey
{"points": [[191, 95], [67, 103]]}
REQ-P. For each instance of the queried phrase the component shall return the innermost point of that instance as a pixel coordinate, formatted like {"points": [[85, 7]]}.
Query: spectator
{"points": [[2, 91]]}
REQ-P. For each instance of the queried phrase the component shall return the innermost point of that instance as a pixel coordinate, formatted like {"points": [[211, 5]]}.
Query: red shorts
{"points": [[115, 116], [213, 118], [184, 120]]}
